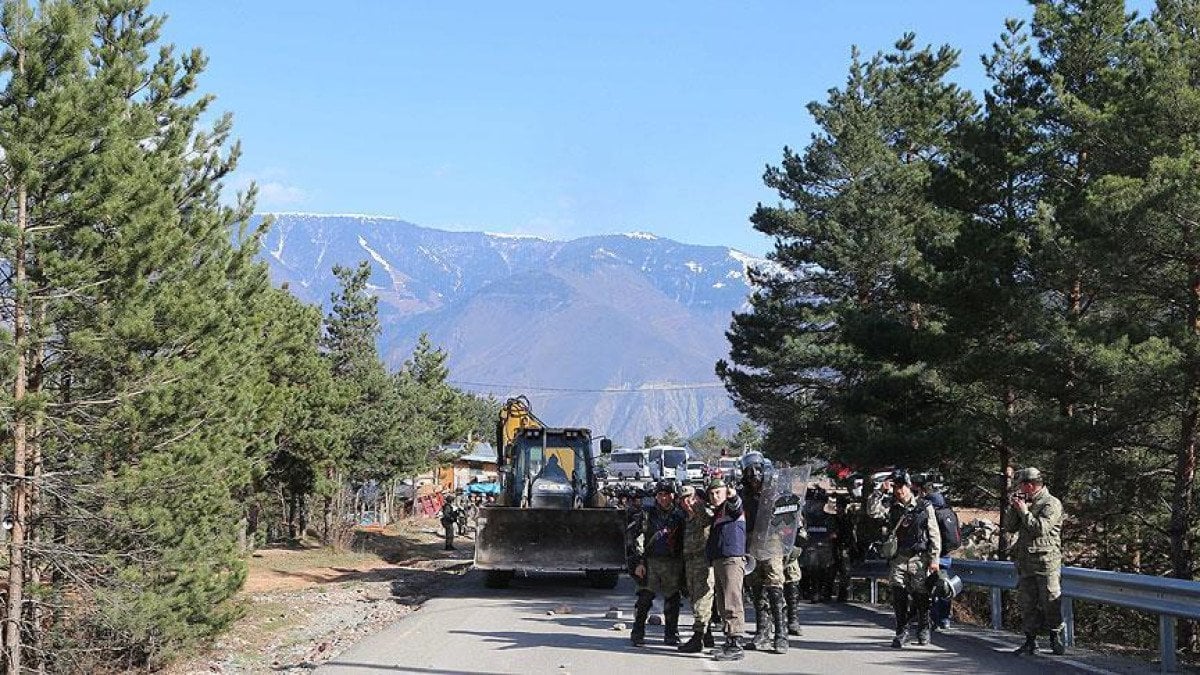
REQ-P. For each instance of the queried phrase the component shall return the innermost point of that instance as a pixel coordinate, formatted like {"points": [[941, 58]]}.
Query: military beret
{"points": [[714, 483]]}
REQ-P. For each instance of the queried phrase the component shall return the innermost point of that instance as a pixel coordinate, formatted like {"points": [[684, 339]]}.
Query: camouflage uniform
{"points": [[765, 584], [1039, 564], [699, 572], [792, 575], [908, 566], [658, 546], [699, 576]]}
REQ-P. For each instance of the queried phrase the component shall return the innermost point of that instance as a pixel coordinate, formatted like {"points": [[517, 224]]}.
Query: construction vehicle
{"points": [[550, 515]]}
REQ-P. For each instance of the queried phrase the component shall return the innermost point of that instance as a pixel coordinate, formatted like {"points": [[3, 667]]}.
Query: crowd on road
{"points": [[723, 544]]}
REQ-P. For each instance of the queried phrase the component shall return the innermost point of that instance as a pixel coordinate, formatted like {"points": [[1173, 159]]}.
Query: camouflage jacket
{"points": [[1038, 549], [695, 533]]}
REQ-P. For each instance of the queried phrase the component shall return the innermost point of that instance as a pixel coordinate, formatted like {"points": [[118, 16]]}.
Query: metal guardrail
{"points": [[1170, 599]]}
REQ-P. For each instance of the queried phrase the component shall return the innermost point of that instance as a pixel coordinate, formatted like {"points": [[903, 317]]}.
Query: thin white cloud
{"points": [[275, 195], [275, 192]]}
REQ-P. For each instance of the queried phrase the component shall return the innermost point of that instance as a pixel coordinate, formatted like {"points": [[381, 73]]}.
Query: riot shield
{"points": [[780, 512]]}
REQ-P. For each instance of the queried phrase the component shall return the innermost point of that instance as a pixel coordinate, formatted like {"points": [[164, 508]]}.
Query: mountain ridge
{"points": [[601, 317]]}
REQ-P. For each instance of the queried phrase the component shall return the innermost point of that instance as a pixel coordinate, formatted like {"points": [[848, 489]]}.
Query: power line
{"points": [[563, 390]]}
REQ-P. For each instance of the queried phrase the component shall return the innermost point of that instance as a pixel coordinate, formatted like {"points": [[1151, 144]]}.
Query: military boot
{"points": [[671, 620], [791, 591], [763, 627], [1058, 643], [921, 602], [641, 611], [695, 643], [900, 607], [779, 614], [731, 650], [708, 638], [1029, 646]]}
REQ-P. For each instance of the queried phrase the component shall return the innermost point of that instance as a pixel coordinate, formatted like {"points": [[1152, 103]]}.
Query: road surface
{"points": [[558, 625]]}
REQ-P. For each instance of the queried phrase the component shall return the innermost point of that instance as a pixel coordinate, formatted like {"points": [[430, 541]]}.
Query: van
{"points": [[629, 463]]}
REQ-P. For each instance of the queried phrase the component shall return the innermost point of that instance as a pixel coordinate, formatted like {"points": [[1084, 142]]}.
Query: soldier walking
{"points": [[912, 551], [697, 569], [1036, 516], [658, 564]]}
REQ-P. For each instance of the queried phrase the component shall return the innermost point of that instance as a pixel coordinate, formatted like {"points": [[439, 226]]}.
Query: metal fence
{"points": [[1170, 599]]}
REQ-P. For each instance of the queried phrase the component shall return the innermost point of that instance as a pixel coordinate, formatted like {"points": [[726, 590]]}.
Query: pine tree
{"points": [[828, 357]]}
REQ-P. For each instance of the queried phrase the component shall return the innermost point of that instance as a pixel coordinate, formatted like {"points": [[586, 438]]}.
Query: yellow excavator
{"points": [[550, 515]]}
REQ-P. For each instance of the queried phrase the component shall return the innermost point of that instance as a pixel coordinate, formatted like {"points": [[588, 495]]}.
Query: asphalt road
{"points": [[558, 625]]}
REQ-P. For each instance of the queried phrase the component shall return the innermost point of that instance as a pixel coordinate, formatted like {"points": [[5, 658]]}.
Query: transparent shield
{"points": [[781, 510]]}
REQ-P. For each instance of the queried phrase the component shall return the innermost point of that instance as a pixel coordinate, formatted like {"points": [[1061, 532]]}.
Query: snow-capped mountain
{"points": [[618, 333]]}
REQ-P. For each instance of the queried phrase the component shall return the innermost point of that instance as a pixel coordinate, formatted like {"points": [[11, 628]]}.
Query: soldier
{"points": [[792, 578], [818, 553], [1036, 516], [463, 512], [450, 512], [766, 580], [658, 564], [845, 547], [697, 569], [727, 553], [911, 550]]}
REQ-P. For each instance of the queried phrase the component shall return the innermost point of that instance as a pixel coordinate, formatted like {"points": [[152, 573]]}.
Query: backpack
{"points": [[947, 521]]}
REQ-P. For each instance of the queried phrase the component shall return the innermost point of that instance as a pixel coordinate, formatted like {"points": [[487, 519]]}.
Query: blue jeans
{"points": [[939, 608]]}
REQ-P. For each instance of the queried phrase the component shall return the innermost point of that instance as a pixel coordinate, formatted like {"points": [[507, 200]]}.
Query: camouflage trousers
{"points": [[1040, 598], [791, 568], [909, 573], [767, 572], [700, 581], [663, 576]]}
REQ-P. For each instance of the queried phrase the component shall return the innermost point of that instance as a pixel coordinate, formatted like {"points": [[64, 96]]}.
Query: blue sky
{"points": [[558, 119]]}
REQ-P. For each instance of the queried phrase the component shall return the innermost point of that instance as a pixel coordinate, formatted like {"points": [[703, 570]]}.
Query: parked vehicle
{"points": [[668, 462], [697, 471], [630, 463], [729, 468]]}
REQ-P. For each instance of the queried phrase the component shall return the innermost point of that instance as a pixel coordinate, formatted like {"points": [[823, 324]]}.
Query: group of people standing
{"points": [[694, 544]]}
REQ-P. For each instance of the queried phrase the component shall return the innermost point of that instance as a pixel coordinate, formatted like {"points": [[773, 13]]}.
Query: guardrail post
{"points": [[997, 609], [874, 591], [1068, 615], [1166, 642]]}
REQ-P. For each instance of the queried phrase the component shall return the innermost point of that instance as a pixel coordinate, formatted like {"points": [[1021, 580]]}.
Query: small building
{"points": [[477, 464]]}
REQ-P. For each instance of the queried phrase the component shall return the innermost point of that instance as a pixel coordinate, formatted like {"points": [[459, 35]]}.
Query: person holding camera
{"points": [[912, 549], [1036, 516]]}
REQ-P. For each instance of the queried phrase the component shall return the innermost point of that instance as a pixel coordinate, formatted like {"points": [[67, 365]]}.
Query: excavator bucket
{"points": [[550, 540]]}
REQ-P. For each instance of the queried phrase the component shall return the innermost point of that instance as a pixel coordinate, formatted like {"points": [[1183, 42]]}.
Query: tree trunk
{"points": [[303, 515], [1006, 457], [36, 365], [1185, 459], [291, 516], [20, 432], [1060, 475]]}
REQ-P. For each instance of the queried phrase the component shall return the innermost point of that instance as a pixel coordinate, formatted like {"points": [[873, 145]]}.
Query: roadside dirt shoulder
{"points": [[304, 605]]}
